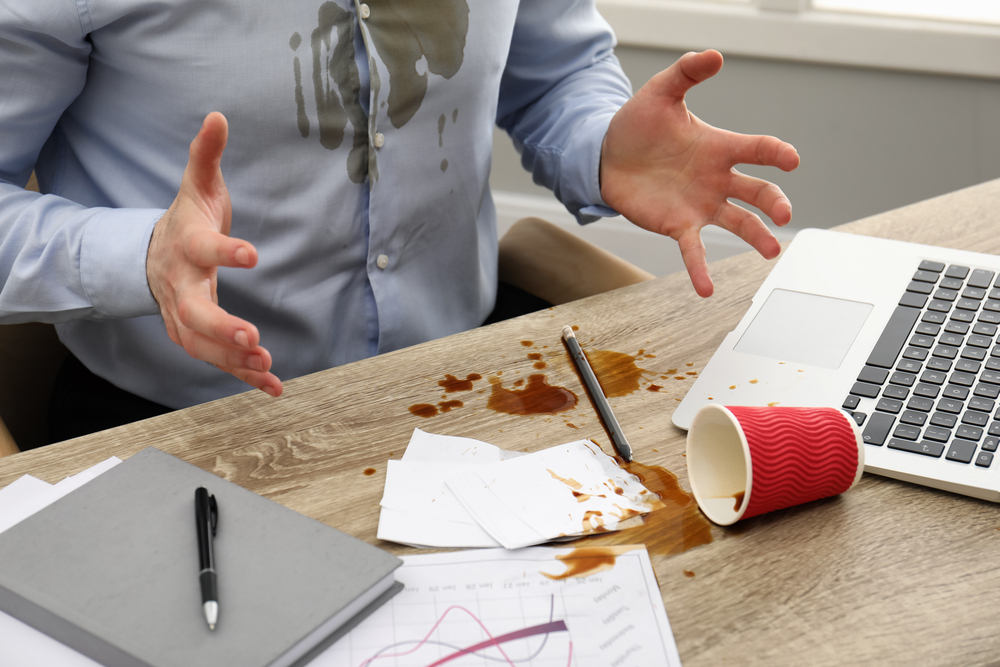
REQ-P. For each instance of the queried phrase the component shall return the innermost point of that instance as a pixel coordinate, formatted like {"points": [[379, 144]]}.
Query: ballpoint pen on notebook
{"points": [[206, 514], [597, 393]]}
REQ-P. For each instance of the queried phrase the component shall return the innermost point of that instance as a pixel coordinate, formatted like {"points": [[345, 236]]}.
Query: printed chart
{"points": [[496, 608]]}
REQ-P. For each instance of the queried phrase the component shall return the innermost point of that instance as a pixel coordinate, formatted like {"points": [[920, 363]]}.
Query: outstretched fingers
{"points": [[749, 227], [762, 194], [688, 71], [695, 261], [763, 150], [209, 249], [206, 152]]}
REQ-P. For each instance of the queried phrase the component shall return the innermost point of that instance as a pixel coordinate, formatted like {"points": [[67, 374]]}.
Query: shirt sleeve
{"points": [[59, 260], [561, 86]]}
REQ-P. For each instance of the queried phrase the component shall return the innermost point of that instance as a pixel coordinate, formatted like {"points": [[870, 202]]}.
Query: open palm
{"points": [[671, 173]]}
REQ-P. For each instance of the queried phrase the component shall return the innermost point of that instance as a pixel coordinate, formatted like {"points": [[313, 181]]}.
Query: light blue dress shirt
{"points": [[359, 151]]}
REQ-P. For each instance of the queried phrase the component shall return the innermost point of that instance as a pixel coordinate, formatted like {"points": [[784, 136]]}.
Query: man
{"points": [[355, 215]]}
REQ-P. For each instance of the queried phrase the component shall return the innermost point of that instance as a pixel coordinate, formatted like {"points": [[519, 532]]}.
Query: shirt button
{"points": [[365, 11], [379, 139], [382, 261]]}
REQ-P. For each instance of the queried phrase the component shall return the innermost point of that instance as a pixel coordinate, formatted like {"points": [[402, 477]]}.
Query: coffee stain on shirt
{"points": [[406, 33]]}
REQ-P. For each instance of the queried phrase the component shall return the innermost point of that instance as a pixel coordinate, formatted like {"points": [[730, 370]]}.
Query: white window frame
{"points": [[793, 30]]}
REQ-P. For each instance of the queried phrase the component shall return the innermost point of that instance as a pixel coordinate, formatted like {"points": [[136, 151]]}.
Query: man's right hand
{"points": [[189, 244]]}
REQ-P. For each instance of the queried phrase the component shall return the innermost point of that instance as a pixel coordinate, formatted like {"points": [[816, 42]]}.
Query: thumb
{"points": [[688, 71], [206, 153]]}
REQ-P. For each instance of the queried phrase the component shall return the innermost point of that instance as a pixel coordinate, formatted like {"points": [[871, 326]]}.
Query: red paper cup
{"points": [[745, 461]]}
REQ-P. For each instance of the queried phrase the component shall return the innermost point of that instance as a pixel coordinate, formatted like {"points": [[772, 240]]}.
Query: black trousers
{"points": [[83, 403]]}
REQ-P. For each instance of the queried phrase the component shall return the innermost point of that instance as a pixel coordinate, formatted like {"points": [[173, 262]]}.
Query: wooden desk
{"points": [[888, 574]]}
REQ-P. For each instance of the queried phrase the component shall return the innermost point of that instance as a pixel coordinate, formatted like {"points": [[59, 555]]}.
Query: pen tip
{"points": [[568, 332]]}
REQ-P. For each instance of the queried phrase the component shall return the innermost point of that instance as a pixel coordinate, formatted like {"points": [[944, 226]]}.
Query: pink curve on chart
{"points": [[552, 626]]}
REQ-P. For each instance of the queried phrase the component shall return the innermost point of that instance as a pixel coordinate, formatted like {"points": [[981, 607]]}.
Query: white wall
{"points": [[871, 139]]}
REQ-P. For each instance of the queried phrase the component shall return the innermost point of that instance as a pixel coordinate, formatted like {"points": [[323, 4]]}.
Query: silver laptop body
{"points": [[813, 336]]}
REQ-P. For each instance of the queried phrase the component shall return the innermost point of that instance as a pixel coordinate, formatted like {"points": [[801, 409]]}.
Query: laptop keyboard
{"points": [[934, 373]]}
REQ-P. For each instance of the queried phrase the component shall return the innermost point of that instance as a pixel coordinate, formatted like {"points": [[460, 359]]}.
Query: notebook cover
{"points": [[111, 570]]}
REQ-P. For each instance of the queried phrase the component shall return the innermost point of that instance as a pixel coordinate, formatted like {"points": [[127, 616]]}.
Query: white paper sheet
{"points": [[503, 602], [572, 489]]}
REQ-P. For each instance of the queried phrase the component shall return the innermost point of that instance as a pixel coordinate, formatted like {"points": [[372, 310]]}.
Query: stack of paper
{"points": [[459, 492]]}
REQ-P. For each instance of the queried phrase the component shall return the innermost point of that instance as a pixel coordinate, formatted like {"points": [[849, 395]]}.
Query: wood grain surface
{"points": [[888, 574]]}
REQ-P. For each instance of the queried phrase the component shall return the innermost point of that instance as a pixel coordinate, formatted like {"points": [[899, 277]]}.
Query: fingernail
{"points": [[241, 339], [255, 363], [242, 256], [270, 391]]}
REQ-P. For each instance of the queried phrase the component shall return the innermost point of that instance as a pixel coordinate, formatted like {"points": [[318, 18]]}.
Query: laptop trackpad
{"points": [[804, 328]]}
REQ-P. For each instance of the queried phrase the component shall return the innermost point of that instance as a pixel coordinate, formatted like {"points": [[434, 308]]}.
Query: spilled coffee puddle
{"points": [[672, 529], [586, 561], [538, 397]]}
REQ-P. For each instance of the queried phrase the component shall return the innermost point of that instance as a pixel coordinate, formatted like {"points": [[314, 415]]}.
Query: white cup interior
{"points": [[718, 464]]}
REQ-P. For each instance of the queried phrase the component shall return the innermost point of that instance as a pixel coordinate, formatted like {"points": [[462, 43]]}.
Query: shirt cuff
{"points": [[581, 167], [113, 262]]}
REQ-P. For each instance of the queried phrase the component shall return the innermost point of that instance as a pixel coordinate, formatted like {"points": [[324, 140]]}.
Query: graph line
{"points": [[544, 628]]}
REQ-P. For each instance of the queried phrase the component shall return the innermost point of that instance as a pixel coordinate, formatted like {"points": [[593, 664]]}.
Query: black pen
{"points": [[206, 515], [603, 407]]}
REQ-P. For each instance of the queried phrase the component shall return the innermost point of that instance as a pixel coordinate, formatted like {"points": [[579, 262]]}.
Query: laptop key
{"points": [[950, 405], [928, 328], [893, 337], [946, 351], [924, 447], [913, 417], [963, 379], [969, 432], [993, 364], [978, 419], [921, 404], [944, 420], [930, 316], [961, 451], [895, 391], [944, 295], [986, 390], [955, 391], [904, 379], [981, 278], [912, 353], [968, 365], [952, 339], [925, 276], [984, 459], [967, 304], [889, 405], [985, 329], [961, 328], [990, 317], [965, 316], [851, 402], [956, 271], [859, 417], [906, 432], [977, 293], [873, 375], [939, 306], [865, 389], [909, 366], [990, 443], [878, 428], [937, 434], [921, 340], [934, 377], [926, 390], [974, 353], [992, 305], [994, 428], [912, 299], [930, 265], [982, 404], [939, 364], [992, 377], [952, 283], [977, 340]]}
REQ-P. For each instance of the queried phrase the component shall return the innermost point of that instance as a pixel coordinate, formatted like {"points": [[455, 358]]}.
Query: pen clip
{"points": [[213, 514]]}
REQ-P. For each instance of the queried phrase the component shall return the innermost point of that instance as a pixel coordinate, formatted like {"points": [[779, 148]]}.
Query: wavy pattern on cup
{"points": [[785, 473]]}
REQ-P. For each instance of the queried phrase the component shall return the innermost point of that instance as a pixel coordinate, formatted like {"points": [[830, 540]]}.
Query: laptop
{"points": [[902, 336]]}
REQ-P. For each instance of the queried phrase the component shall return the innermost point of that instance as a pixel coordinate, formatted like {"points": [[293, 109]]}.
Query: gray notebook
{"points": [[111, 570]]}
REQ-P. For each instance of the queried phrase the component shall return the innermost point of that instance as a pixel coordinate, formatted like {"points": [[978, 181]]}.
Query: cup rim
{"points": [[732, 516]]}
